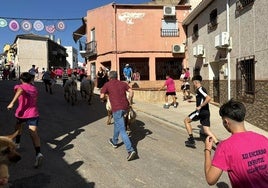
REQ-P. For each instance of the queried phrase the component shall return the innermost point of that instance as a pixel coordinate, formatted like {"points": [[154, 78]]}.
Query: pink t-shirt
{"points": [[27, 107], [170, 85], [245, 157]]}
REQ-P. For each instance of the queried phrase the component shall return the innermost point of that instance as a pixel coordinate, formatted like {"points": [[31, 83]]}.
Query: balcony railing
{"points": [[170, 32], [88, 49]]}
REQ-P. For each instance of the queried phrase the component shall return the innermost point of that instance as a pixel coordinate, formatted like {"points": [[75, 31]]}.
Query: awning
{"points": [[81, 31]]}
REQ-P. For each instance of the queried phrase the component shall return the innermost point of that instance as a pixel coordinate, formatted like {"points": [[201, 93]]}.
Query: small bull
{"points": [[87, 88], [130, 116]]}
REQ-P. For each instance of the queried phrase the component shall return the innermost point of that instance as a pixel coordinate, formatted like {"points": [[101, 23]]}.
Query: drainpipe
{"points": [[115, 36], [228, 50]]}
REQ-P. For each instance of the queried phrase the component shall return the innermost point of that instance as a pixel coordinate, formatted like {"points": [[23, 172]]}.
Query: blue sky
{"points": [[52, 10]]}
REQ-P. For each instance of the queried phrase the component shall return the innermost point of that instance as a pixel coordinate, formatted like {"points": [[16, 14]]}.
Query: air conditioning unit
{"points": [[178, 48], [222, 40], [169, 11], [199, 50], [194, 51]]}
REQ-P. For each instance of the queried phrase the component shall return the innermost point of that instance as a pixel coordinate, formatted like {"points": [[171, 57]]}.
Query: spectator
{"points": [[127, 71], [136, 75], [32, 71], [244, 155], [100, 78]]}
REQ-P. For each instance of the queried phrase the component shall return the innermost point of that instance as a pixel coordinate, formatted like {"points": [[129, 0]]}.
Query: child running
{"points": [[27, 112]]}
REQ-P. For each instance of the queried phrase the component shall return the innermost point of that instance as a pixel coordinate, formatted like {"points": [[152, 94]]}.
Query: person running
{"points": [[170, 90], [27, 112], [201, 113], [116, 90], [244, 155], [47, 79]]}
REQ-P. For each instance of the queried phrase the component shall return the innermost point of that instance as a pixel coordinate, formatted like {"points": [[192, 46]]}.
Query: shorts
{"points": [[28, 121], [203, 116], [47, 82], [185, 87], [170, 93]]}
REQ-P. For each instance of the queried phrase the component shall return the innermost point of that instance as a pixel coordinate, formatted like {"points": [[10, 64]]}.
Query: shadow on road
{"points": [[60, 123]]}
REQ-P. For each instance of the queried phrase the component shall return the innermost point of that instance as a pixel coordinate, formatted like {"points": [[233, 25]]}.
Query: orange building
{"points": [[150, 38]]}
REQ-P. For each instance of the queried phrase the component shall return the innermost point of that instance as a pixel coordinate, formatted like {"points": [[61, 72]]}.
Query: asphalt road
{"points": [[77, 153]]}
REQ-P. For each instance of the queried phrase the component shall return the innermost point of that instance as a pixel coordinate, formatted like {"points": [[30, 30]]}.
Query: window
{"points": [[169, 28], [195, 32], [212, 25], [246, 79], [241, 4]]}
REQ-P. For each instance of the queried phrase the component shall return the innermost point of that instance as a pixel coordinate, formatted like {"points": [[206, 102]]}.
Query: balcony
{"points": [[170, 32], [88, 49]]}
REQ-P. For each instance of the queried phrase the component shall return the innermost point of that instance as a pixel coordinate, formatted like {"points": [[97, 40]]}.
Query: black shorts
{"points": [[185, 87], [202, 115], [29, 121], [170, 93]]}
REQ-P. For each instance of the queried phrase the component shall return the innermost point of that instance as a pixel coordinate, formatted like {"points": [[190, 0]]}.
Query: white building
{"points": [[72, 59]]}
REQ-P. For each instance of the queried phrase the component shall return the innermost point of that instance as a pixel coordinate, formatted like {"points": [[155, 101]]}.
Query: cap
{"points": [[127, 65]]}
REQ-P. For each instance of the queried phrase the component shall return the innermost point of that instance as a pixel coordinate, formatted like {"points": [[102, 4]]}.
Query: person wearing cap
{"points": [[116, 91], [127, 71], [244, 155], [201, 113]]}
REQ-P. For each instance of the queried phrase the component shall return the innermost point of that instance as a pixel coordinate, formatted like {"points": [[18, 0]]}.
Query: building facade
{"points": [[150, 38], [72, 59], [37, 50], [227, 44]]}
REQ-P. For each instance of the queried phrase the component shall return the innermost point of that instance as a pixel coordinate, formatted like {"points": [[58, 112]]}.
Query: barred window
{"points": [[246, 78]]}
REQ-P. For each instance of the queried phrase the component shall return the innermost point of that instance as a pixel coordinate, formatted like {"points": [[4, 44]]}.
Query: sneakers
{"points": [[176, 105], [38, 160], [166, 106], [190, 143], [131, 155], [111, 142]]}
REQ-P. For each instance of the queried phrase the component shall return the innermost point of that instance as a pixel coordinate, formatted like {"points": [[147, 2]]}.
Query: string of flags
{"points": [[38, 25]]}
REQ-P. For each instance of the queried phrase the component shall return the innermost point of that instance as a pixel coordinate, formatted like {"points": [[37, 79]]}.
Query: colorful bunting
{"points": [[61, 26], [14, 25], [38, 25], [26, 25], [3, 22], [50, 28]]}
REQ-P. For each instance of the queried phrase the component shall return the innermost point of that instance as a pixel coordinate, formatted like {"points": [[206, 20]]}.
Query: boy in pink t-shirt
{"points": [[26, 94], [244, 155], [170, 90]]}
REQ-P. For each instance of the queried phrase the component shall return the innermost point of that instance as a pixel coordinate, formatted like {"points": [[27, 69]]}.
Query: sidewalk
{"points": [[175, 116]]}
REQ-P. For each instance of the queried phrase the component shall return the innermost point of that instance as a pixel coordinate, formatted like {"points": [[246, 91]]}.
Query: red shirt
{"points": [[117, 94]]}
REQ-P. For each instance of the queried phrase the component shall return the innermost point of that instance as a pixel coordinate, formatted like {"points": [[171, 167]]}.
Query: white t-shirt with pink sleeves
{"points": [[27, 107], [245, 157]]}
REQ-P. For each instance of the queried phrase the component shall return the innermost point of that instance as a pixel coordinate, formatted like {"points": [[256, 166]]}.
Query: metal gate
{"points": [[216, 89]]}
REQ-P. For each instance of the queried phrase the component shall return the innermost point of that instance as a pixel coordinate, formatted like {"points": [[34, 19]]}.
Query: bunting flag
{"points": [[14, 25], [60, 26], [26, 25], [50, 28], [3, 22], [38, 25], [29, 24]]}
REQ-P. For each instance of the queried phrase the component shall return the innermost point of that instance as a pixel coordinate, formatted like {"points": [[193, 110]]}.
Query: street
{"points": [[77, 153]]}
